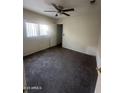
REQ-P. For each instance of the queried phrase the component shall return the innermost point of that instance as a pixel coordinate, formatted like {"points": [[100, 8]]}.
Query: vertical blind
{"points": [[43, 30], [34, 30], [31, 29]]}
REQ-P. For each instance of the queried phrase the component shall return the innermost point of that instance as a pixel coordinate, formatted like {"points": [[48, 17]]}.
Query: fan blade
{"points": [[55, 6], [92, 1], [50, 11], [66, 14], [66, 10]]}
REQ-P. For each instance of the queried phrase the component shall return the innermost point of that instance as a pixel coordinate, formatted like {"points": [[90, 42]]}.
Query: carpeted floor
{"points": [[59, 70]]}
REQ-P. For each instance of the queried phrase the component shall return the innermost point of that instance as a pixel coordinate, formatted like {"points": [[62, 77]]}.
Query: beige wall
{"points": [[31, 45], [81, 33]]}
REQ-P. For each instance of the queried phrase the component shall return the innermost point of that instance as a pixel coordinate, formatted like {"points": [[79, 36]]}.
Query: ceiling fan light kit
{"points": [[60, 10]]}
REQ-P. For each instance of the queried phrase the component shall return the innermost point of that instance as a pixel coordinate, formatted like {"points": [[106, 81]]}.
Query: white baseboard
{"points": [[85, 50], [31, 52], [98, 59]]}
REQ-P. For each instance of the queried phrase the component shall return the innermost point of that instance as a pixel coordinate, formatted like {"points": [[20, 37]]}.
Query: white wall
{"points": [[98, 55], [81, 33], [98, 84], [34, 44], [98, 59]]}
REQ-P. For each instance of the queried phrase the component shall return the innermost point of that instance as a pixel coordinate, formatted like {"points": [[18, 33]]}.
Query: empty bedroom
{"points": [[61, 46]]}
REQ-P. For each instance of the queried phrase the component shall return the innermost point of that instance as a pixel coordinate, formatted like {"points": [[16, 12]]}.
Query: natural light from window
{"points": [[35, 30], [43, 30], [31, 29]]}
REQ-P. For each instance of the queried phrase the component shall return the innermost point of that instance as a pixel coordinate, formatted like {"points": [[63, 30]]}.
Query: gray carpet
{"points": [[59, 70]]}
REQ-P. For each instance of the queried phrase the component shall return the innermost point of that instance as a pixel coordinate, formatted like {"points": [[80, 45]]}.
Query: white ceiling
{"points": [[81, 6]]}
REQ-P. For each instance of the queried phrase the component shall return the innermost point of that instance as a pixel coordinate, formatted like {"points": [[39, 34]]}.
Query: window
{"points": [[34, 30], [43, 30]]}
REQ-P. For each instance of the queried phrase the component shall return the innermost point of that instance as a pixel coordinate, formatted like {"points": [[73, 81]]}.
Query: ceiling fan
{"points": [[60, 10]]}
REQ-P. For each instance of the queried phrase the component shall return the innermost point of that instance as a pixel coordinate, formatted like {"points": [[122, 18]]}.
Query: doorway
{"points": [[59, 34]]}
